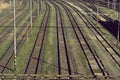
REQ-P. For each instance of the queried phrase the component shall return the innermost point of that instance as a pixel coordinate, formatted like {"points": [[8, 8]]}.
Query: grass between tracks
{"points": [[4, 14], [50, 46], [26, 48], [5, 45]]}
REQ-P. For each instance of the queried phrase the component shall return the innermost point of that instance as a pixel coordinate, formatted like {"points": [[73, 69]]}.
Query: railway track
{"points": [[8, 56], [27, 30], [8, 29], [37, 49], [94, 8], [108, 23], [2, 35], [72, 63], [111, 51], [94, 63], [111, 5], [98, 32], [5, 18], [63, 57], [23, 9]]}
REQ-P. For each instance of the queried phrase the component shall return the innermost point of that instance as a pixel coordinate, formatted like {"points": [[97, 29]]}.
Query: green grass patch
{"points": [[50, 48], [5, 44]]}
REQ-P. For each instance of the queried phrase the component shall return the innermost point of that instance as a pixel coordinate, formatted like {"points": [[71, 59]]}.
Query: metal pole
{"points": [[108, 3], [31, 19], [118, 30], [27, 31], [96, 3], [38, 7], [97, 11], [10, 4], [0, 3], [41, 4], [114, 4], [118, 24], [14, 37]]}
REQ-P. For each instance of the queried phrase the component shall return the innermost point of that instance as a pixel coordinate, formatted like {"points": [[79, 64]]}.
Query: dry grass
{"points": [[3, 6]]}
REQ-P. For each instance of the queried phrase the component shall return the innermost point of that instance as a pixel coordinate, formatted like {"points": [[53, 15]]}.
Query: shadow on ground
{"points": [[111, 26]]}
